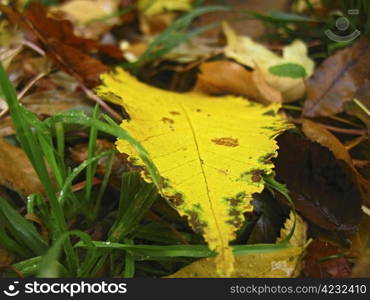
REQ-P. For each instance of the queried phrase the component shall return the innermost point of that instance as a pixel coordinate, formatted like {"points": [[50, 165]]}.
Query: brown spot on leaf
{"points": [[174, 113], [270, 113], [267, 159], [226, 141], [237, 222], [257, 175], [176, 199], [167, 120], [237, 199], [234, 212], [194, 221]]}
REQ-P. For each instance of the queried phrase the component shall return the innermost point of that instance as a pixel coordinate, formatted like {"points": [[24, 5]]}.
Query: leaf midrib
{"points": [[203, 175]]}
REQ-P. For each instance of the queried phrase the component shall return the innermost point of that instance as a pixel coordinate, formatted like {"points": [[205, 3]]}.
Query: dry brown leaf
{"points": [[223, 77], [338, 78], [16, 171]]}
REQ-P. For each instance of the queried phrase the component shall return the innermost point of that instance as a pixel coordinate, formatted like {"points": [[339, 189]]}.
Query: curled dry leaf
{"points": [[325, 189], [338, 78], [251, 54], [16, 171], [207, 150], [283, 263], [227, 77]]}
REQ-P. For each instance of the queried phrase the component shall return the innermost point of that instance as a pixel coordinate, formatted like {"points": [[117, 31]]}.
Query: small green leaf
{"points": [[288, 70]]}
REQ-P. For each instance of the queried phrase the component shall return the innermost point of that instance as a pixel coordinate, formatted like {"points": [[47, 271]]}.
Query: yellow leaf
{"points": [[84, 11], [299, 236], [155, 7], [249, 53], [210, 152], [283, 263]]}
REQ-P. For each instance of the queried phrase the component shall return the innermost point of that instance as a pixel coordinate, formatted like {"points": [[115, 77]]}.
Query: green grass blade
{"points": [[49, 263], [90, 170], [136, 199], [22, 230], [129, 262], [80, 118]]}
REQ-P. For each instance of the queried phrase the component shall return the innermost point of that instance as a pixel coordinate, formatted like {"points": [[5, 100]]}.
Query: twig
{"points": [[360, 163], [355, 142], [29, 85], [104, 105], [34, 47], [4, 105], [337, 129], [362, 107]]}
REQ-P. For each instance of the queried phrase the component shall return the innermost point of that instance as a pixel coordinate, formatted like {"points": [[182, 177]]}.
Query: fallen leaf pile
{"points": [[62, 45]]}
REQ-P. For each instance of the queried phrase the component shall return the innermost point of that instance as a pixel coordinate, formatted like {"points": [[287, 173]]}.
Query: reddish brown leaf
{"points": [[318, 263], [337, 80]]}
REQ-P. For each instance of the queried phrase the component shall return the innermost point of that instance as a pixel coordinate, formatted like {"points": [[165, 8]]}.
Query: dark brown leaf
{"points": [[325, 189], [336, 81], [325, 138]]}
